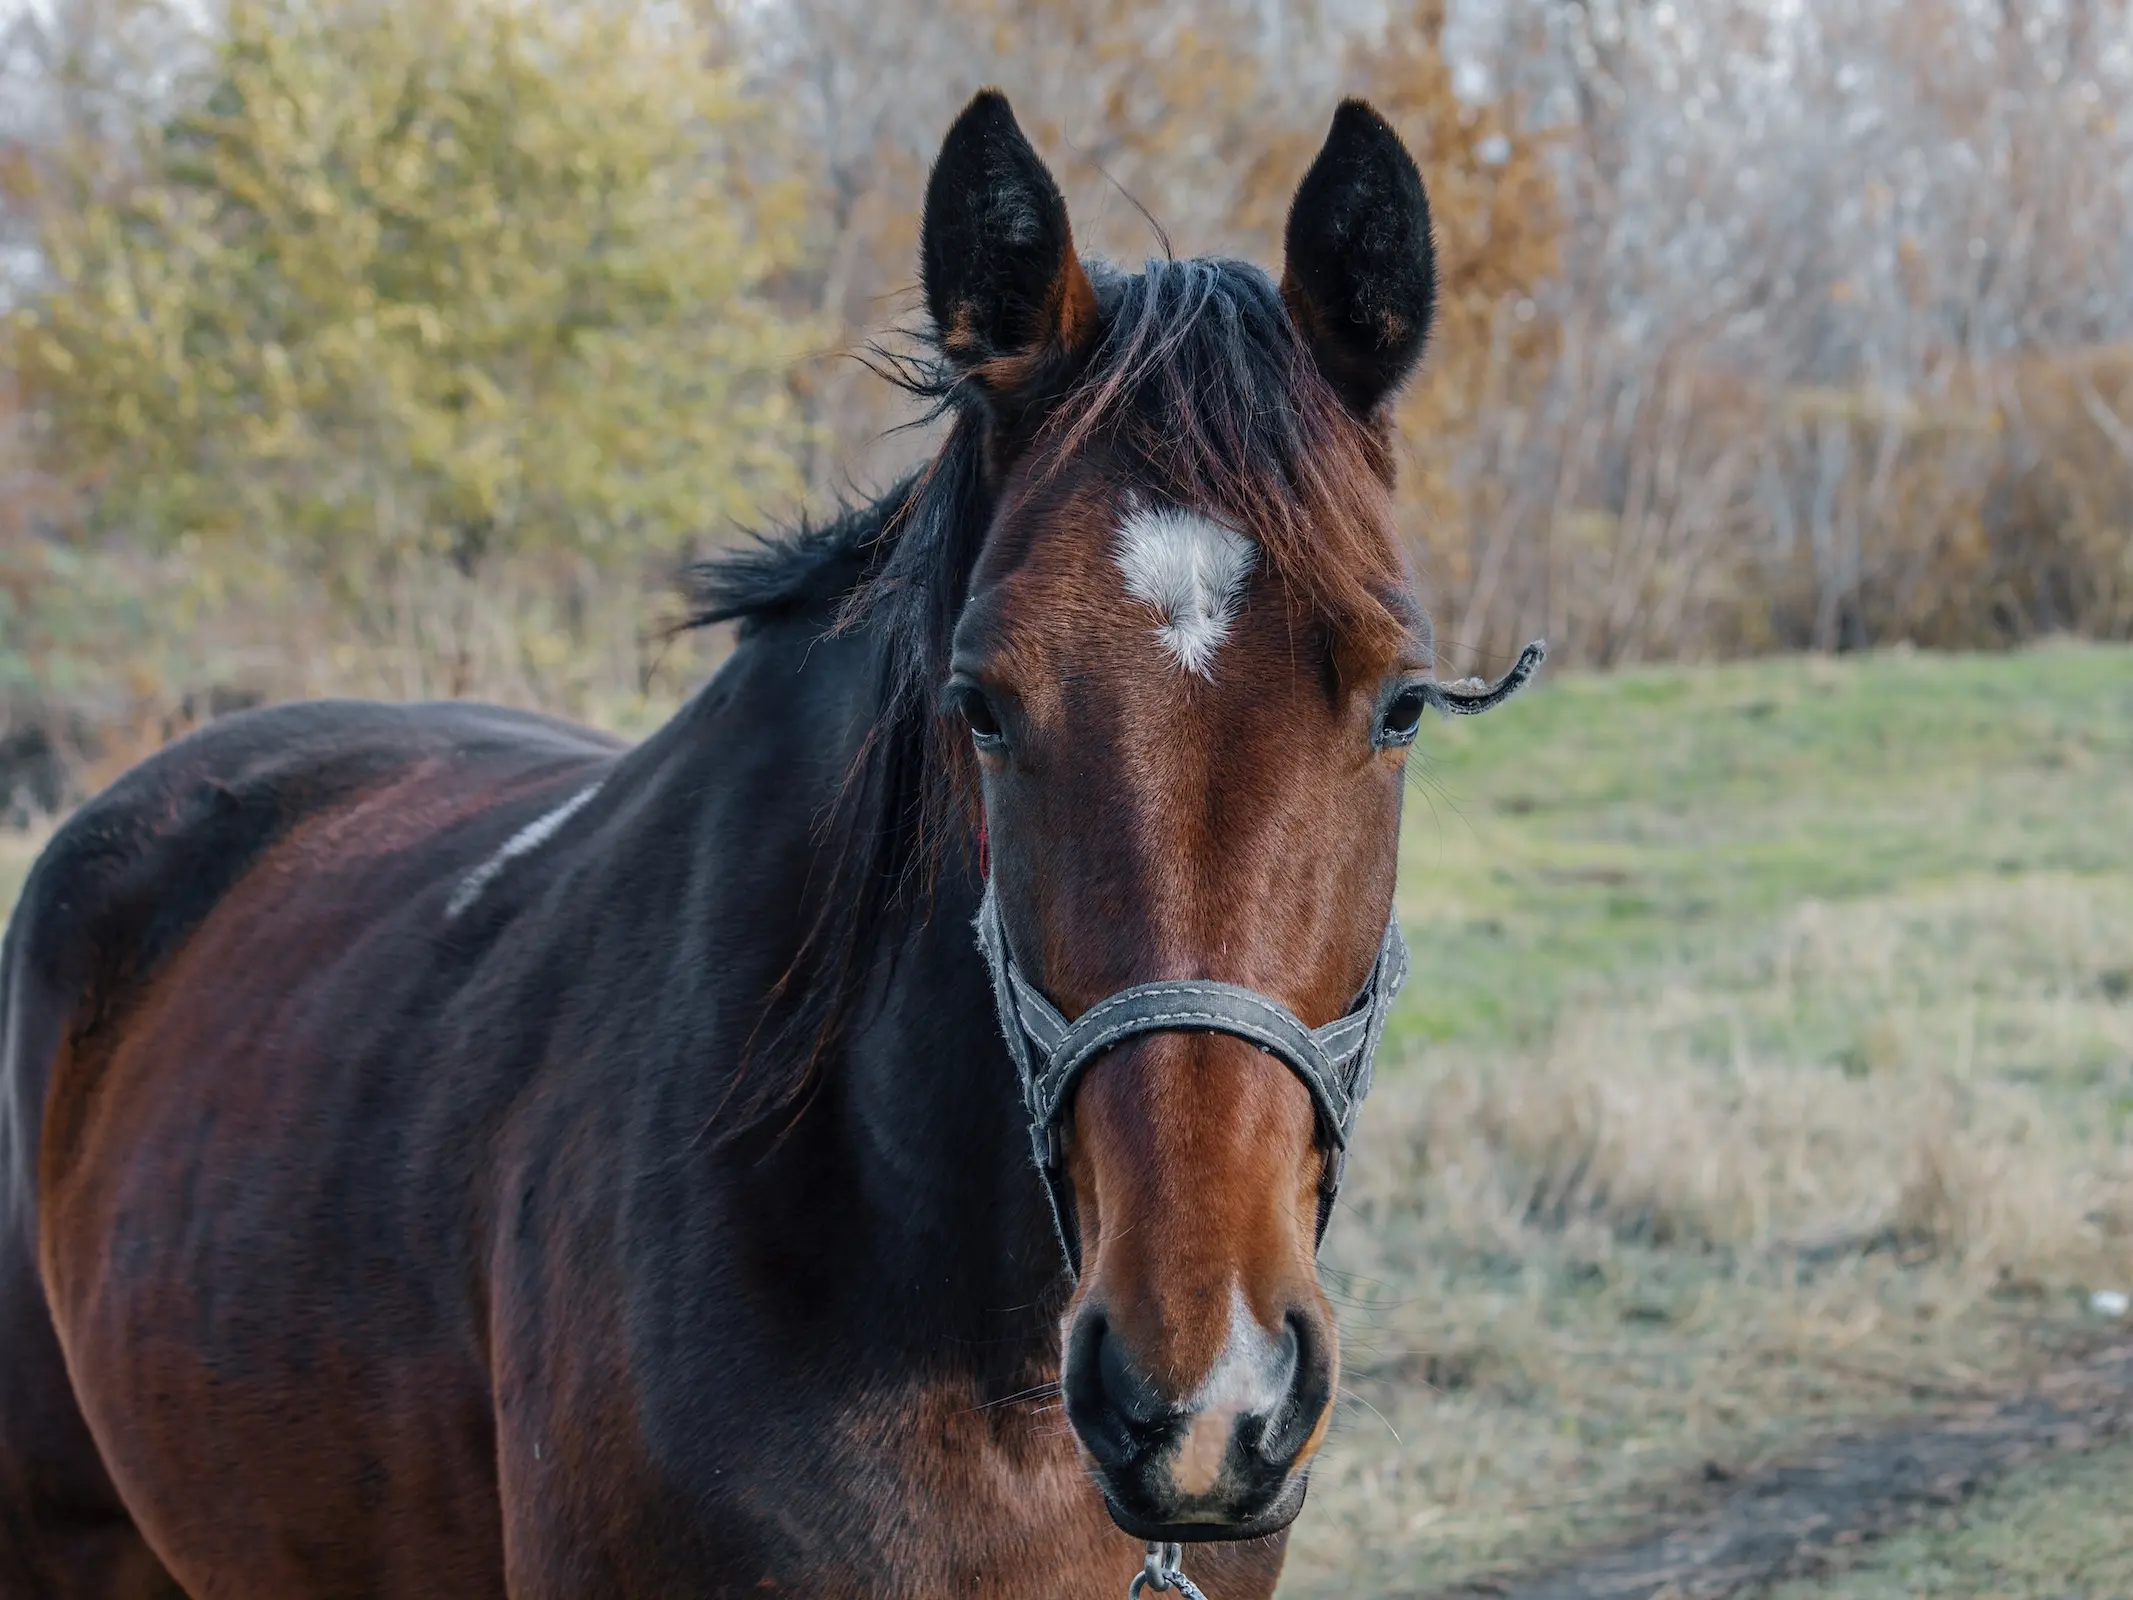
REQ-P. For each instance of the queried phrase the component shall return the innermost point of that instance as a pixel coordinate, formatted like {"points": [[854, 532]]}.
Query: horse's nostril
{"points": [[1117, 1412], [1308, 1388], [1130, 1394]]}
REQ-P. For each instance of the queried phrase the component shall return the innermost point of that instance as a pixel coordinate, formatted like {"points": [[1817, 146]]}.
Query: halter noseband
{"points": [[1051, 1053], [1334, 1062]]}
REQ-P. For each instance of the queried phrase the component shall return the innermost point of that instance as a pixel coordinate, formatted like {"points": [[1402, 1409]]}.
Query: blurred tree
{"points": [[1495, 200], [1207, 112], [421, 279], [1804, 326], [1171, 104]]}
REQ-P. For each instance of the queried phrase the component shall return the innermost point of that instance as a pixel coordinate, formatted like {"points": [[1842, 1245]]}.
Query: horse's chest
{"points": [[950, 1495], [952, 1492], [904, 1497]]}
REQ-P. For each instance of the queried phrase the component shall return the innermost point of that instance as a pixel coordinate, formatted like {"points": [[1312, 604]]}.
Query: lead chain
{"points": [[1164, 1572]]}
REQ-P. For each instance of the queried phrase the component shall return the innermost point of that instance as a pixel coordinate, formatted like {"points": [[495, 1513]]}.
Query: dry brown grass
{"points": [[1575, 1276], [18, 849]]}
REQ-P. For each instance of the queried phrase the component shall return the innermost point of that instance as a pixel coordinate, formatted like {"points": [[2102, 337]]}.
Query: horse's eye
{"points": [[1401, 719], [968, 701]]}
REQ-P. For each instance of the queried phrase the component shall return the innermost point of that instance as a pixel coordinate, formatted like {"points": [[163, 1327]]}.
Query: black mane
{"points": [[793, 570]]}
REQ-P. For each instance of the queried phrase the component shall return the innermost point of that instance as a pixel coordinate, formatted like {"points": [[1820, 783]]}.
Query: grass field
{"points": [[1767, 1070]]}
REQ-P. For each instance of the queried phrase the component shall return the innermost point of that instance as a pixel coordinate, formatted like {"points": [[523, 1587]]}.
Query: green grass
{"points": [[1767, 1070], [2063, 1531], [1603, 829]]}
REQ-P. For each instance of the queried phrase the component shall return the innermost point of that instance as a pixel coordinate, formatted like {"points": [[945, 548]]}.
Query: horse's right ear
{"points": [[996, 255]]}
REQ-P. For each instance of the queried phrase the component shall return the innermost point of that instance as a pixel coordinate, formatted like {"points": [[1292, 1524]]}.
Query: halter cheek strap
{"points": [[1050, 1053]]}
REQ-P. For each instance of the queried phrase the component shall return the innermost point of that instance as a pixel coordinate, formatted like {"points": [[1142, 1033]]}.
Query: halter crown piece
{"points": [[1050, 1053]]}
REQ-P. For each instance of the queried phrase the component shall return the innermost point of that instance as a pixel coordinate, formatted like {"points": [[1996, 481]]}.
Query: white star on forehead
{"points": [[1191, 570]]}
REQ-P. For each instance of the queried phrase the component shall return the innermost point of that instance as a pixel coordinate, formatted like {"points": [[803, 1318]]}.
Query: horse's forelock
{"points": [[1203, 387]]}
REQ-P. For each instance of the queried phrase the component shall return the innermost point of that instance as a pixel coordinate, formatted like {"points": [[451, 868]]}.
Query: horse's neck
{"points": [[904, 1159], [933, 1097]]}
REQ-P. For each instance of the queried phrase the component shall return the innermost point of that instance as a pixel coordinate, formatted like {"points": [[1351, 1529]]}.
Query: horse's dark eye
{"points": [[1401, 719], [968, 701]]}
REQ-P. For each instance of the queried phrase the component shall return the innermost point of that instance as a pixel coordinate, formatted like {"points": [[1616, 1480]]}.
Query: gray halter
{"points": [[1051, 1053], [1334, 1062]]}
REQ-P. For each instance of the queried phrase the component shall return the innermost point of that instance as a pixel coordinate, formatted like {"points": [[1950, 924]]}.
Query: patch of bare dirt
{"points": [[1784, 1522]]}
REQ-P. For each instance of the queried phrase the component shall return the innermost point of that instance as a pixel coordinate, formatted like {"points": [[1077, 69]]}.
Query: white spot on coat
{"points": [[524, 842], [1191, 570]]}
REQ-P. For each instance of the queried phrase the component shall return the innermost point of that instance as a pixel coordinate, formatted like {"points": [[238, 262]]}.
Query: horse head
{"points": [[1184, 674]]}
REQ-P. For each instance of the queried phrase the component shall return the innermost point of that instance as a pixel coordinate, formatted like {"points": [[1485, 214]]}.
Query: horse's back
{"points": [[136, 872], [156, 1025]]}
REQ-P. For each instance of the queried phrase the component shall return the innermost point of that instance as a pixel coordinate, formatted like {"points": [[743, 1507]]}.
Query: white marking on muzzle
{"points": [[1246, 1380], [1192, 570], [524, 842]]}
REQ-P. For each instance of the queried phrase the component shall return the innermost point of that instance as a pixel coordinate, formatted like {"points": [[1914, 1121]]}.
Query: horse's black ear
{"points": [[996, 256], [1360, 277]]}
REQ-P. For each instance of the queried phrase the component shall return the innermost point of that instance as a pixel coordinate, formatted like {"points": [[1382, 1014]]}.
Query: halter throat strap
{"points": [[1050, 1053]]}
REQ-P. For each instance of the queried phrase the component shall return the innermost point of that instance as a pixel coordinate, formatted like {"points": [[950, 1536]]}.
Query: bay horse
{"points": [[448, 1153]]}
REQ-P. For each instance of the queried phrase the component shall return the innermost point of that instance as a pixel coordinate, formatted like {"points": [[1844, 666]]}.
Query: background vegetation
{"points": [[2066, 1530], [407, 347], [380, 315]]}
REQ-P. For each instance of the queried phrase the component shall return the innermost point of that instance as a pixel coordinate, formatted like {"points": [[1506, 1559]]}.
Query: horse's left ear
{"points": [[1360, 276], [996, 255]]}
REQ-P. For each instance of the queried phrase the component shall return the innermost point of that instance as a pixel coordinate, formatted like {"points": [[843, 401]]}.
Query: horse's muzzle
{"points": [[1223, 1463]]}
